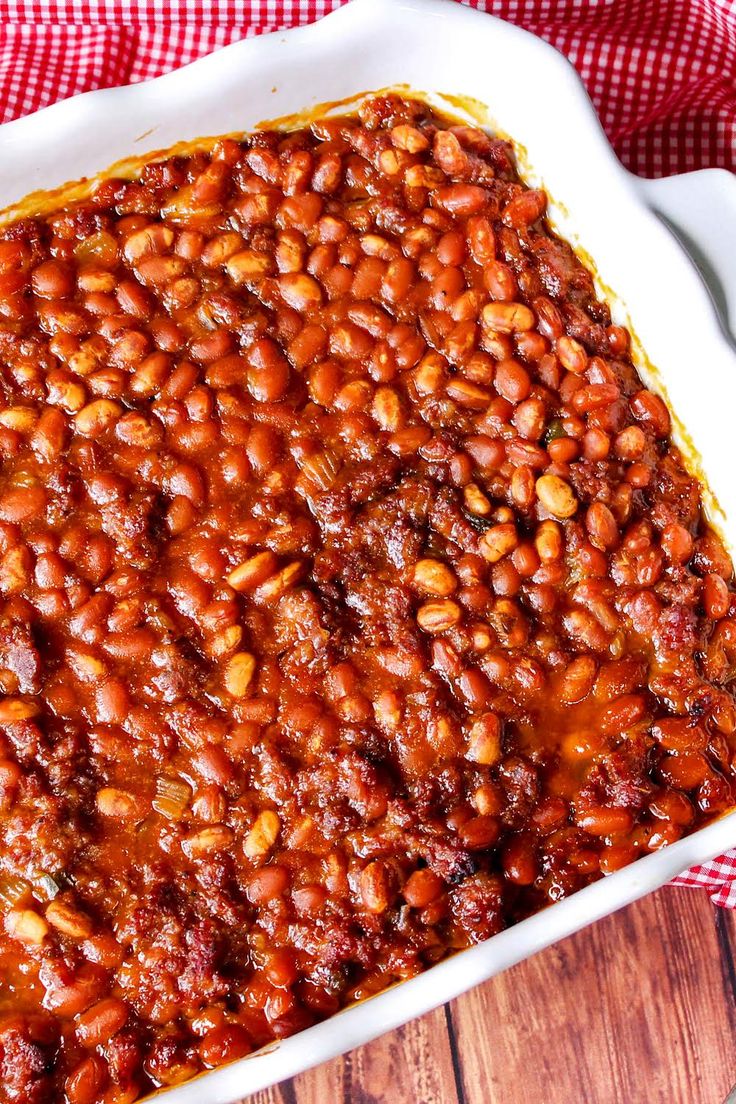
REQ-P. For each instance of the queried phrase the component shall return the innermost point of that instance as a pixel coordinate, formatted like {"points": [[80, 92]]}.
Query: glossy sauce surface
{"points": [[355, 603]]}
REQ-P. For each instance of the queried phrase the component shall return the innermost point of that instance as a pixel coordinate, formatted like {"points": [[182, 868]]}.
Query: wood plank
{"points": [[635, 1010], [726, 929], [410, 1066]]}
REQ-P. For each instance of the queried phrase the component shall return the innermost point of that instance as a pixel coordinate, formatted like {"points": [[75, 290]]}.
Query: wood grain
{"points": [[638, 1009]]}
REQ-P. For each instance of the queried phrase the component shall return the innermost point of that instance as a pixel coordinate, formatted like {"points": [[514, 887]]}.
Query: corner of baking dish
{"points": [[435, 46]]}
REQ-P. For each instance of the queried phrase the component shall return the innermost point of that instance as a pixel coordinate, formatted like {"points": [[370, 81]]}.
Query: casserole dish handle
{"points": [[700, 207]]}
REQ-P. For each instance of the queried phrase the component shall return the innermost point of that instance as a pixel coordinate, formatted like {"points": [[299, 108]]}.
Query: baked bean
{"points": [[479, 833], [484, 745], [267, 884], [684, 771], [421, 888], [434, 577], [651, 410], [461, 200], [340, 566], [507, 318], [578, 679], [605, 821], [409, 138], [711, 556], [512, 381], [673, 806], [519, 862], [529, 418], [98, 1024], [500, 282], [571, 354], [677, 543], [556, 496], [438, 616], [498, 542], [601, 526], [225, 1044], [86, 1081], [268, 371]]}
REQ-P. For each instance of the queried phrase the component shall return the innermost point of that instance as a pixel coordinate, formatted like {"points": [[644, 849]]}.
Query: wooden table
{"points": [[638, 1009]]}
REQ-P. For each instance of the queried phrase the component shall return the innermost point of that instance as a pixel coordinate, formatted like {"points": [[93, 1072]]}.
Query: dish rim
{"points": [[364, 1021]]}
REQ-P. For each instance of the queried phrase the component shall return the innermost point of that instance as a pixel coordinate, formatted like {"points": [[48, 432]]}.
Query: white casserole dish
{"points": [[439, 46]]}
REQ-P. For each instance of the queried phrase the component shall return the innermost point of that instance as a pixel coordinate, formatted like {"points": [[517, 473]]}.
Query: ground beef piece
{"points": [[621, 779], [676, 494], [560, 270], [123, 1053], [18, 653], [677, 629], [26, 1061], [520, 781], [582, 327], [594, 480], [477, 906]]}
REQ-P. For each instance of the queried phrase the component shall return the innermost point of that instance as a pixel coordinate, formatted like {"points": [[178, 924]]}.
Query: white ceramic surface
{"points": [[439, 46]]}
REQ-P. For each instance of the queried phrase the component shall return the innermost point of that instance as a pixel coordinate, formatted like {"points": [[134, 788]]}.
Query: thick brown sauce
{"points": [[356, 603]]}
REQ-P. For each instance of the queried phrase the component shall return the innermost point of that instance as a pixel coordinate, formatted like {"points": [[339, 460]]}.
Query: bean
{"points": [[207, 841], [716, 596], [97, 417], [86, 1081], [556, 496], [375, 890], [268, 371], [262, 835], [571, 354], [497, 542], [409, 138], [649, 409], [267, 885], [239, 672], [434, 577], [300, 291], [484, 745], [601, 526], [605, 821], [100, 1022], [438, 616], [507, 318], [622, 714], [225, 1044], [461, 200], [525, 208], [155, 238], [677, 544], [519, 862], [68, 920], [578, 679], [680, 734], [480, 833], [421, 888], [684, 771]]}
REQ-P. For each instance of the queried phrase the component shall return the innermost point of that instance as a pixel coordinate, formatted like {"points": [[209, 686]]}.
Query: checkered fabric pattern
{"points": [[717, 876], [661, 73]]}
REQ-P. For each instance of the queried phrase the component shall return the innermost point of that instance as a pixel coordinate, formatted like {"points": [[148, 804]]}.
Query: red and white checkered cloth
{"points": [[717, 876], [661, 73]]}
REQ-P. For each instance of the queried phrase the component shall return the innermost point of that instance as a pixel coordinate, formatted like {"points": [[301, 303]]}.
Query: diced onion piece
{"points": [[13, 890], [172, 797]]}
